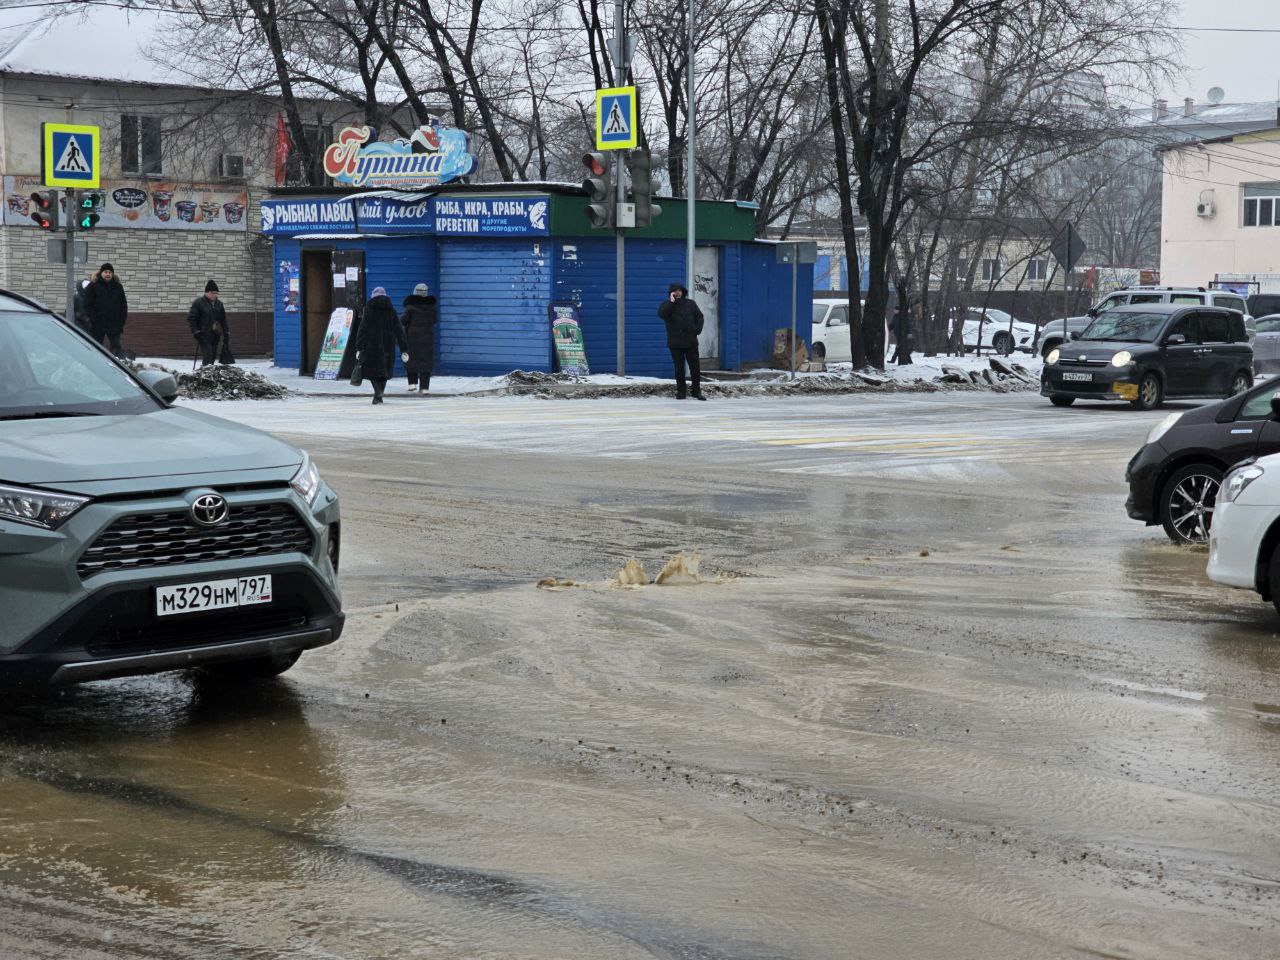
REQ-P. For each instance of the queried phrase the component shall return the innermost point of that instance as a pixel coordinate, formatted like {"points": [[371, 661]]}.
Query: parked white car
{"points": [[1244, 540], [993, 327], [829, 338]]}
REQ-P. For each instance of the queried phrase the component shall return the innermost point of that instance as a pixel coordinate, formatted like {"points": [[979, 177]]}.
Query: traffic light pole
{"points": [[70, 255]]}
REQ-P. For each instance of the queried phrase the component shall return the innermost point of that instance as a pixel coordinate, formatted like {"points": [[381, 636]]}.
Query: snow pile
{"points": [[218, 382]]}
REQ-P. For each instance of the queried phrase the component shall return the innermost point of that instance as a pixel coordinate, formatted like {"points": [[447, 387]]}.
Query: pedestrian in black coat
{"points": [[419, 320], [207, 319], [684, 323], [81, 318], [376, 342], [107, 307]]}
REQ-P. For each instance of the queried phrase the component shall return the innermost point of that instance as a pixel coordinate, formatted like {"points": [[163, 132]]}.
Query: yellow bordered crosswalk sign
{"points": [[71, 154], [616, 127]]}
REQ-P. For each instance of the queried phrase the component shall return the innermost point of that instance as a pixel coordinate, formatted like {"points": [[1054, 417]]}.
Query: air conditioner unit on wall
{"points": [[1205, 208], [231, 166]]}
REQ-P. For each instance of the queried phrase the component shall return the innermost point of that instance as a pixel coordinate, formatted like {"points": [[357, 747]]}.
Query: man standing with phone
{"points": [[684, 323]]}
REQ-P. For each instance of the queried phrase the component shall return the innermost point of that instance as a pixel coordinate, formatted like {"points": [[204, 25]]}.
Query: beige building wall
{"points": [[1194, 248]]}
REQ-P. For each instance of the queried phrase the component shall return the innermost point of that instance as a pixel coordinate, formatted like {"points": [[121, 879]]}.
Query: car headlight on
{"points": [[1235, 482], [1163, 427], [1052, 358], [40, 508], [306, 482], [1122, 359]]}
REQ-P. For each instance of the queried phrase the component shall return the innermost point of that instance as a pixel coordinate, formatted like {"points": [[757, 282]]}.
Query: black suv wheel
{"points": [[1187, 502], [1240, 383], [1150, 392], [1003, 343]]}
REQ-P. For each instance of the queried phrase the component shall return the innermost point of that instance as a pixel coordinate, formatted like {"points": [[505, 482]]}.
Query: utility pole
{"points": [[690, 173], [623, 66], [71, 212]]}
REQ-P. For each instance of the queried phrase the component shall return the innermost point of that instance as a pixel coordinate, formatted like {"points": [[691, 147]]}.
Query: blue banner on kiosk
{"points": [[457, 216]]}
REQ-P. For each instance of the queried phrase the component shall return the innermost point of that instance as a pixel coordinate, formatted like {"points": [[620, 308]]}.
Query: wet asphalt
{"points": [[936, 696]]}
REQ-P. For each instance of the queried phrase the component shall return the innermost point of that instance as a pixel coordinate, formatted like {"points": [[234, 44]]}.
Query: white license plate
{"points": [[213, 595], [1078, 376]]}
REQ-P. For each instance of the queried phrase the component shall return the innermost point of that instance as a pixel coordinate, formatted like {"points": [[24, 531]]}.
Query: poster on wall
{"points": [[335, 344], [144, 204], [290, 285], [566, 334]]}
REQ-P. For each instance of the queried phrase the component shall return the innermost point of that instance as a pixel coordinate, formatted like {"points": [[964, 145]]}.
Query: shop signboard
{"points": [[335, 344], [566, 334], [466, 216], [433, 154], [288, 217], [144, 205], [385, 215]]}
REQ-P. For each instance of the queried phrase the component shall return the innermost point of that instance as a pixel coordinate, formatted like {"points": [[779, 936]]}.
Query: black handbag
{"points": [[357, 374]]}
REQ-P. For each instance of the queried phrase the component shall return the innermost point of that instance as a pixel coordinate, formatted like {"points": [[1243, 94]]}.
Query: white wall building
{"points": [[1220, 208]]}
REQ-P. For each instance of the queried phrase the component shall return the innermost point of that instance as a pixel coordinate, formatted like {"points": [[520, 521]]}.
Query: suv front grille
{"points": [[149, 540], [153, 636]]}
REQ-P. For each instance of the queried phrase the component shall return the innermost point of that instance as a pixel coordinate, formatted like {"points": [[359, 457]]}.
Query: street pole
{"points": [[72, 210], [620, 271], [795, 255], [691, 191]]}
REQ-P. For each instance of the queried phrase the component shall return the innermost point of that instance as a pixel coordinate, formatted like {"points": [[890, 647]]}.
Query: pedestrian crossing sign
{"points": [[616, 119], [71, 155]]}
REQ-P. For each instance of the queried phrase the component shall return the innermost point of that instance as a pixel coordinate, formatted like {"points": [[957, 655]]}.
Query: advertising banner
{"points": [[144, 204], [433, 154], [335, 344], [491, 216], [287, 217], [566, 334]]}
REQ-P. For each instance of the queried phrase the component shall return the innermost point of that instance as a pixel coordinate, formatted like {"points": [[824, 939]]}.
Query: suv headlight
{"points": [[1235, 482], [1122, 359], [1163, 427], [1052, 358], [40, 508], [306, 482]]}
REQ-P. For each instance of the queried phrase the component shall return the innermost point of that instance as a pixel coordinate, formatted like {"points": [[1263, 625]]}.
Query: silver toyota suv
{"points": [[138, 537]]}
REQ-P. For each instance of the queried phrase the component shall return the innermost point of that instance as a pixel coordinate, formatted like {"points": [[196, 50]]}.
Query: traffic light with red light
{"points": [[599, 187], [45, 210]]}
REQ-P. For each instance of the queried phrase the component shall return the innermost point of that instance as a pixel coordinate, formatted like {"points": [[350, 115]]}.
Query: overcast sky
{"points": [[1245, 65]]}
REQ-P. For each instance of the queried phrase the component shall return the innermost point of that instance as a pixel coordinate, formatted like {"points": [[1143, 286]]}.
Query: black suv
{"points": [[1149, 353]]}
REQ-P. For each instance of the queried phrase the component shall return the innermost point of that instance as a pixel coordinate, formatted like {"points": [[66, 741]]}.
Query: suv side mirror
{"points": [[161, 383], [1073, 335], [1275, 406], [1092, 312], [1174, 339]]}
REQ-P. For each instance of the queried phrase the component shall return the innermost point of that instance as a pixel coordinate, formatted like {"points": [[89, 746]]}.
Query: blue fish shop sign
{"points": [[433, 154]]}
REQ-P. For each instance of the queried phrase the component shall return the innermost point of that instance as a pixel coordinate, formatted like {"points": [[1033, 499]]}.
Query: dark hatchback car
{"points": [[1150, 353], [1174, 478]]}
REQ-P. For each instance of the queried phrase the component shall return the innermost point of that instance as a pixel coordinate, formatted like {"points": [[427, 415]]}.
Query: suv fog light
{"points": [[1127, 391]]}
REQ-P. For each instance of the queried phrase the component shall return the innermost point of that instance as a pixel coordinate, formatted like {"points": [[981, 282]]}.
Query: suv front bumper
{"points": [[64, 622], [1104, 383]]}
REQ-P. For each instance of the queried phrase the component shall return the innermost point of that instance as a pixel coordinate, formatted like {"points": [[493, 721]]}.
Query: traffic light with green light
{"points": [[90, 212]]}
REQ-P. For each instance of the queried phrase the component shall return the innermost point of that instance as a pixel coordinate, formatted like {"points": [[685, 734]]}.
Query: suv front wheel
{"points": [[1187, 502], [1240, 383], [1150, 392]]}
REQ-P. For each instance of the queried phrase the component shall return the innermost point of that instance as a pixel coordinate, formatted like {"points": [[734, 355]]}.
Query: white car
{"points": [[993, 325], [829, 339], [1244, 539]]}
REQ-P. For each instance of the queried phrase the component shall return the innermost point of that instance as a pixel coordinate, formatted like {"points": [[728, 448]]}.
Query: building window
{"points": [[962, 269], [318, 137], [1037, 269], [140, 143], [1262, 211], [991, 270]]}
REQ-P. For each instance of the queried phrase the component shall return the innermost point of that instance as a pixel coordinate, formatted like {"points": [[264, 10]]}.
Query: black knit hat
{"points": [[210, 287], [107, 266]]}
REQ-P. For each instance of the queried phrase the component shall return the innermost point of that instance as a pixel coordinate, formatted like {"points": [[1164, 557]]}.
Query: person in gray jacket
{"points": [[684, 322]]}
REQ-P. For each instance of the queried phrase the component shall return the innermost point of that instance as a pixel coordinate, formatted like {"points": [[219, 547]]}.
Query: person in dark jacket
{"points": [[419, 320], [207, 319], [379, 335], [107, 308], [684, 323], [81, 318]]}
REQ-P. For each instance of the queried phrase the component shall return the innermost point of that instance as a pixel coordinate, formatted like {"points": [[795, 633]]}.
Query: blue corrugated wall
{"points": [[493, 306], [765, 289], [288, 326]]}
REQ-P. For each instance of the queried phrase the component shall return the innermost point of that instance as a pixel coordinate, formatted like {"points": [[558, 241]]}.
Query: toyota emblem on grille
{"points": [[209, 510]]}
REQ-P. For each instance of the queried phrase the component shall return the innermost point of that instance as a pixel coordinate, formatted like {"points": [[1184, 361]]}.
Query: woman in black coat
{"points": [[420, 333], [376, 342]]}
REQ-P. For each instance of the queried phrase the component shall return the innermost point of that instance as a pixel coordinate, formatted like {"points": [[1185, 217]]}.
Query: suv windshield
{"points": [[1127, 327], [49, 370]]}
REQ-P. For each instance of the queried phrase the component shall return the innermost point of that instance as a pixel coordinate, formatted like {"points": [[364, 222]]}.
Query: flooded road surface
{"points": [[937, 697]]}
